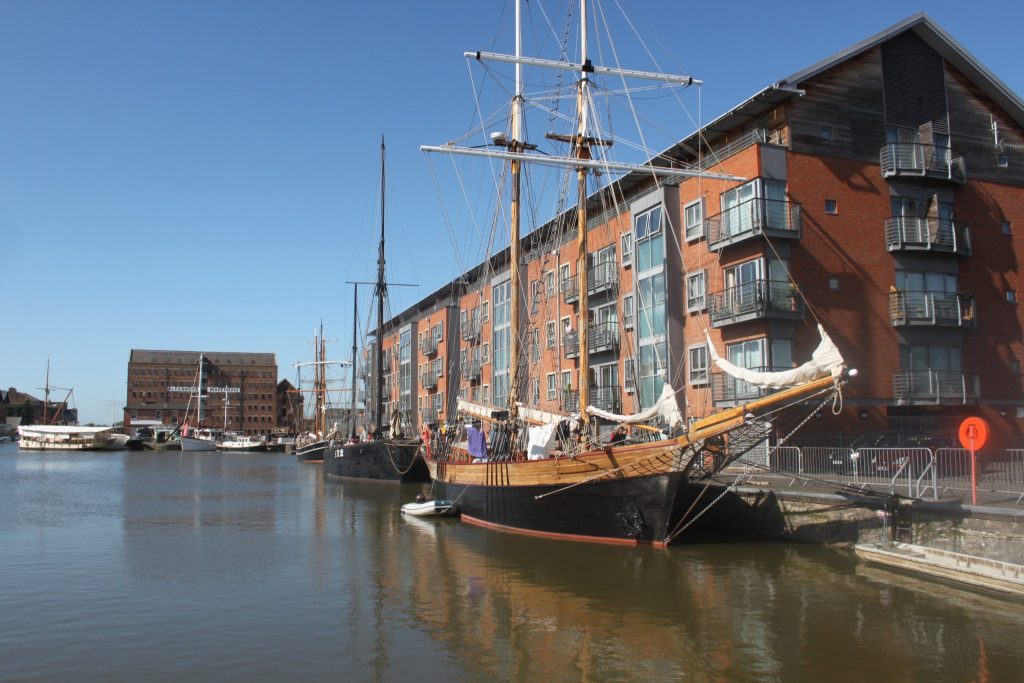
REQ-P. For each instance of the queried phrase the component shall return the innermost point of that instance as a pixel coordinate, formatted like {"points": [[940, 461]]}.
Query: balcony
{"points": [[935, 387], [940, 235], [935, 309], [471, 331], [429, 347], [918, 160], [471, 370], [428, 416], [752, 218], [602, 277], [428, 380], [571, 401], [607, 398], [727, 390], [756, 300], [601, 337], [570, 290], [571, 344]]}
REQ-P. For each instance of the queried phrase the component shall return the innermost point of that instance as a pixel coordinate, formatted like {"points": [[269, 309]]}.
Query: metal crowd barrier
{"points": [[914, 472]]}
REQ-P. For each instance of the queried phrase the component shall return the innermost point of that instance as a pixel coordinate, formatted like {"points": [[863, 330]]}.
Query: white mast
{"points": [[199, 394]]}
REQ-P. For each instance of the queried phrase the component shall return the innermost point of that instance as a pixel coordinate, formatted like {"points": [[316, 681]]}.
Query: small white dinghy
{"points": [[431, 508]]}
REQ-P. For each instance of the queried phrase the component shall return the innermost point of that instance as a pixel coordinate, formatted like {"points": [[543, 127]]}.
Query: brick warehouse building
{"points": [[159, 384], [885, 187]]}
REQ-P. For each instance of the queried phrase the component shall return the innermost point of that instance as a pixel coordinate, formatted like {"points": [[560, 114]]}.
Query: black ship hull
{"points": [[313, 452], [381, 460], [633, 511]]}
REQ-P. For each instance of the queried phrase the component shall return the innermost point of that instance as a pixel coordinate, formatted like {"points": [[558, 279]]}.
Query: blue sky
{"points": [[203, 174]]}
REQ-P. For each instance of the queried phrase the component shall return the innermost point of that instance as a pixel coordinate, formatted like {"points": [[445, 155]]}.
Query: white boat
{"points": [[242, 442], [199, 440], [431, 508], [64, 438]]}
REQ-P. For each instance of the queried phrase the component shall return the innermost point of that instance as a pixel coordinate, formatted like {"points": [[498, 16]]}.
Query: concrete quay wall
{"points": [[844, 520]]}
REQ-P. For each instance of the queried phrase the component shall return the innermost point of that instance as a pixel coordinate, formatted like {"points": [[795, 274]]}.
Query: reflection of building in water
{"points": [[201, 501]]}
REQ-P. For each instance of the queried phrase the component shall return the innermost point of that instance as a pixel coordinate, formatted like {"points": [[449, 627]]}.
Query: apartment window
{"points": [[1011, 296], [627, 250], [693, 216], [629, 372], [1006, 227], [485, 393], [696, 291], [649, 239], [535, 390], [566, 272], [627, 312], [535, 290], [566, 325], [549, 332], [552, 389], [699, 364], [825, 133], [439, 331], [485, 354], [485, 311], [567, 380], [549, 283], [831, 207], [1002, 161]]}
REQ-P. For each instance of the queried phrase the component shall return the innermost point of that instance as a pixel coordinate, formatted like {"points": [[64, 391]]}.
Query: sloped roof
{"points": [[920, 23]]}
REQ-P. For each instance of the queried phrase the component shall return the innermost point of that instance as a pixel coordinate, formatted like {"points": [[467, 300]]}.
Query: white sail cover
{"points": [[826, 360], [474, 409], [541, 438], [667, 408], [541, 416]]}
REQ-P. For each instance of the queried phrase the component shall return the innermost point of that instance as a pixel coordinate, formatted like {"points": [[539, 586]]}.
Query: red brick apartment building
{"points": [[884, 197], [160, 383]]}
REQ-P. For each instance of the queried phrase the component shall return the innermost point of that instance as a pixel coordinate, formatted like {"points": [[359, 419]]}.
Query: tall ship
{"points": [[587, 472], [315, 435], [387, 454]]}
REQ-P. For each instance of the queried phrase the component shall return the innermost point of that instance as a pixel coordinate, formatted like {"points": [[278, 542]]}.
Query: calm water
{"points": [[229, 567]]}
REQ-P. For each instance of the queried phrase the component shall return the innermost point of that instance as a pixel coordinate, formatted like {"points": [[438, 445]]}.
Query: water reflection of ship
{"points": [[721, 611]]}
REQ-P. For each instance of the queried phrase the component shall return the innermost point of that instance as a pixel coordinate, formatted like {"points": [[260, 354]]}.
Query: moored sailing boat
{"points": [[381, 458], [311, 444], [549, 473]]}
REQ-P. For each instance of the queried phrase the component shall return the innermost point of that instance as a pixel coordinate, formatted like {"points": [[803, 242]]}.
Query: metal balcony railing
{"points": [[912, 233], [429, 346], [726, 389], [570, 290], [571, 344], [471, 370], [602, 277], [938, 309], [600, 337], [919, 160], [758, 299], [754, 217], [428, 416], [935, 387], [428, 380], [471, 331], [608, 398], [571, 401]]}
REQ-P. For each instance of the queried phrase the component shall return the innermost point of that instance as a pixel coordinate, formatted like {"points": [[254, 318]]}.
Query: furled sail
{"points": [[826, 360], [667, 408]]}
